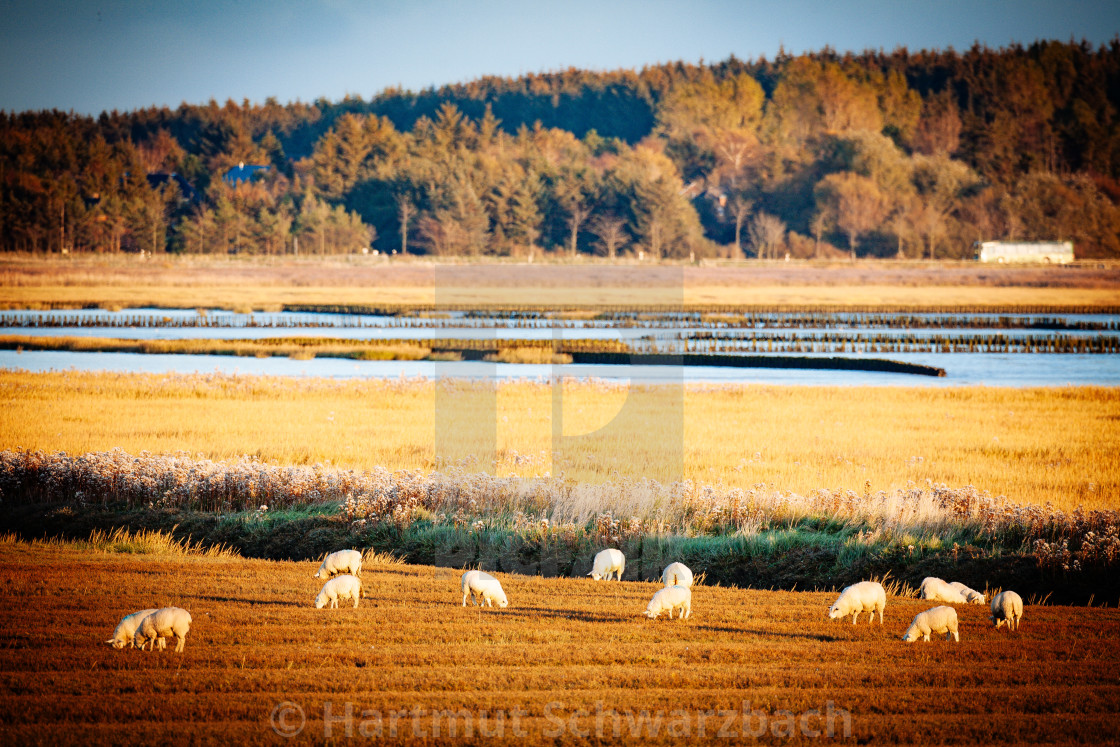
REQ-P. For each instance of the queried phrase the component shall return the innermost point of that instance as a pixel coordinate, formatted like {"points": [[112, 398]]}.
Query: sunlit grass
{"points": [[298, 348], [528, 355], [123, 541], [267, 283], [1031, 445], [772, 296]]}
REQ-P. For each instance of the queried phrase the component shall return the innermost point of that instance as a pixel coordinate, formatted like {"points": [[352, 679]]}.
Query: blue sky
{"points": [[89, 56]]}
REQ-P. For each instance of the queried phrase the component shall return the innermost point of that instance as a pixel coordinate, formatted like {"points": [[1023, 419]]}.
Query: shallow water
{"points": [[669, 332], [962, 369], [666, 332]]}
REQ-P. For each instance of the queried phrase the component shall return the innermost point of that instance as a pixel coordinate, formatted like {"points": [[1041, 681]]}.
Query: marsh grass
{"points": [[1033, 446], [813, 294], [373, 557], [30, 281], [895, 587], [529, 355], [123, 541], [397, 352], [460, 508], [296, 349]]}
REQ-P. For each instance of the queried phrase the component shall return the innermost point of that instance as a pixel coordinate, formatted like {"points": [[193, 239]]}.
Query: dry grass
{"points": [[567, 657], [529, 355], [139, 542], [263, 283], [777, 297], [266, 298], [1034, 446], [296, 348]]}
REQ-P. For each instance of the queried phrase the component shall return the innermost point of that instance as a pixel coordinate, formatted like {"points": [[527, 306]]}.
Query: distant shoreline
{"points": [[270, 283]]}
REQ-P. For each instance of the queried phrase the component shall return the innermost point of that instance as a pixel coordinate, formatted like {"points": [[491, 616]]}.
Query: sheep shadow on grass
{"points": [[765, 633], [257, 602], [393, 570], [582, 615]]}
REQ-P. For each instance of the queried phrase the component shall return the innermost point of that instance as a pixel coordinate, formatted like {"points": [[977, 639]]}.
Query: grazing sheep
{"points": [[169, 622], [866, 596], [670, 598], [465, 584], [339, 587], [488, 589], [608, 562], [970, 595], [936, 590], [343, 561], [125, 633], [937, 620], [677, 574], [1007, 607]]}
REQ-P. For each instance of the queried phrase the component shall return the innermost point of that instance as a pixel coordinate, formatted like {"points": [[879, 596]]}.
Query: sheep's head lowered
{"points": [[912, 634]]}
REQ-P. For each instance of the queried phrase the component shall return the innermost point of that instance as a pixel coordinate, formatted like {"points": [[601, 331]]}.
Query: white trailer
{"points": [[1044, 252]]}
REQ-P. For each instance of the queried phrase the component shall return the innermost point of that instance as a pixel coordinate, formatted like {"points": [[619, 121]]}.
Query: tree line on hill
{"points": [[899, 154]]}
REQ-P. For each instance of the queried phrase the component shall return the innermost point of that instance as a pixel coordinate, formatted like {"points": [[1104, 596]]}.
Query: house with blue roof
{"points": [[243, 172]]}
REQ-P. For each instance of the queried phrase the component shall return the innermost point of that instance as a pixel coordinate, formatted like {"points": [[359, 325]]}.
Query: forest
{"points": [[899, 154]]}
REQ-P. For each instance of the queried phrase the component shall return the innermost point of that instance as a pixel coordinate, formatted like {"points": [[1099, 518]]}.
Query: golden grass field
{"points": [[295, 348], [123, 281], [570, 660], [1036, 446]]}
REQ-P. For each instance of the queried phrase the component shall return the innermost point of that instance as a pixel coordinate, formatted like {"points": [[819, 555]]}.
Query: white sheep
{"points": [[866, 596], [488, 589], [670, 599], [677, 574], [936, 590], [937, 620], [1007, 607], [607, 562], [343, 561], [169, 622], [970, 595], [125, 632], [339, 587], [465, 584]]}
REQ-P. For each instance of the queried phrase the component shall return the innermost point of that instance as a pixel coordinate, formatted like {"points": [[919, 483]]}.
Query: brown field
{"points": [[263, 283], [568, 657]]}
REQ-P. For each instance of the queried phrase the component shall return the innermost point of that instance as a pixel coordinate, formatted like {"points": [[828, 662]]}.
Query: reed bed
{"points": [[413, 318], [530, 355], [297, 348], [930, 517], [550, 351], [855, 342]]}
